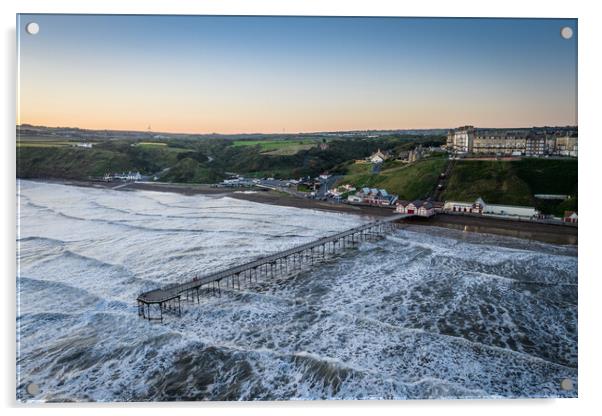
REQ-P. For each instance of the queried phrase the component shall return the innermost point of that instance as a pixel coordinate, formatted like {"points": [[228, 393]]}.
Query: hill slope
{"points": [[413, 181], [515, 183]]}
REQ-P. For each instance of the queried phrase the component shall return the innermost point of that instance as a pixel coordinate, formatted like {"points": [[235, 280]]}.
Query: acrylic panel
{"points": [[295, 208]]}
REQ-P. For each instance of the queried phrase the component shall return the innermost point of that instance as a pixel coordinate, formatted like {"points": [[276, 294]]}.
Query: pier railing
{"points": [[168, 298]]}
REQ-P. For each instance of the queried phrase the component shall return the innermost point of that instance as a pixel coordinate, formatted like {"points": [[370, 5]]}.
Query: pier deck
{"points": [[169, 298]]}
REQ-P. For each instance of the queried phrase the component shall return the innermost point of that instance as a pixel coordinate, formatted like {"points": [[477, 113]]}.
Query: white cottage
{"points": [[480, 207], [420, 208]]}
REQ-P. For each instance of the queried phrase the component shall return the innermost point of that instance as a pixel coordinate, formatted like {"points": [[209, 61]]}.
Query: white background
{"points": [[590, 179]]}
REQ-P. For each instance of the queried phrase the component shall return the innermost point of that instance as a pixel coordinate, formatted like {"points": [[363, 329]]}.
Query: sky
{"points": [[205, 74]]}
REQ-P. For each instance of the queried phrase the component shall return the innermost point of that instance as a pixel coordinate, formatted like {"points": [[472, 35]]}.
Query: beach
{"points": [[547, 233]]}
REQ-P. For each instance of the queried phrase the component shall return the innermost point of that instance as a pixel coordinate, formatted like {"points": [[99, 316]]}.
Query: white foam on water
{"points": [[424, 313]]}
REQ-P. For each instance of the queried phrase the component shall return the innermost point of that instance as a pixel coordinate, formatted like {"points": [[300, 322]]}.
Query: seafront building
{"points": [[480, 207], [570, 217], [461, 140], [566, 146], [420, 208], [123, 176], [523, 142], [373, 196]]}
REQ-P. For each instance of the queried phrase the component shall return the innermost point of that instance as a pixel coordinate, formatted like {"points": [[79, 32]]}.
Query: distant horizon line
{"points": [[291, 133]]}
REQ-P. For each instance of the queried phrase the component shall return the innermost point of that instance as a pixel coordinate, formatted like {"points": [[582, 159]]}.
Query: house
{"points": [[510, 210], [84, 145], [416, 154], [420, 208], [426, 209], [376, 196], [134, 176], [570, 217], [472, 208], [339, 191], [130, 176], [480, 207], [378, 157], [373, 196], [403, 155]]}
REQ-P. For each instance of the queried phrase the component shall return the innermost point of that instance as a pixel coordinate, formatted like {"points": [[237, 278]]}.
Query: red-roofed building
{"points": [[570, 216]]}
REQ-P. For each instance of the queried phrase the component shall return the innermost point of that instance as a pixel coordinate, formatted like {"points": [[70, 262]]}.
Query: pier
{"points": [[154, 304]]}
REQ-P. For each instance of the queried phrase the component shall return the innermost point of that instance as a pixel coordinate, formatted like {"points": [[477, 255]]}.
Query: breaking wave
{"points": [[425, 313]]}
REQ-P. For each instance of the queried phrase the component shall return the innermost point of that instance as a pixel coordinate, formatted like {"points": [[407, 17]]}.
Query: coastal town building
{"points": [[416, 154], [420, 208], [403, 155], [123, 176], [521, 142], [469, 207], [341, 190], [461, 140], [84, 145], [566, 146], [480, 207], [535, 145], [373, 196], [570, 217], [378, 157], [511, 211]]}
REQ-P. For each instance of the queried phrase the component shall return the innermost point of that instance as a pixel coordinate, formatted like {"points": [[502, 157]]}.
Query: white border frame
{"points": [[590, 147]]}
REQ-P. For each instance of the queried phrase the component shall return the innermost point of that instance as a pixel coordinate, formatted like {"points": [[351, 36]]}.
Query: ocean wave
{"points": [[422, 313]]}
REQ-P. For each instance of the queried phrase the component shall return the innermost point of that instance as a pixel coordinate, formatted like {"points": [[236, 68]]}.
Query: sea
{"points": [[424, 313]]}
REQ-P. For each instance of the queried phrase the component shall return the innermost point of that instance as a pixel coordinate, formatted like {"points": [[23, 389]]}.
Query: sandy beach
{"points": [[548, 233]]}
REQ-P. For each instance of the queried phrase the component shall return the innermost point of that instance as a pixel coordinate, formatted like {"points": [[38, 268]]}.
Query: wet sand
{"points": [[263, 196], [548, 233]]}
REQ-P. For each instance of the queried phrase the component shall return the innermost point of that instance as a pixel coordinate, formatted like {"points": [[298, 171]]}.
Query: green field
{"points": [[288, 150], [44, 143], [150, 144], [278, 147], [409, 182], [515, 182]]}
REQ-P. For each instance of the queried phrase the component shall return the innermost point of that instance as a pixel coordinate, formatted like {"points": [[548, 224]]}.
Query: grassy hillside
{"points": [[410, 182], [78, 163], [494, 181], [66, 162], [515, 182], [189, 170], [545, 176]]}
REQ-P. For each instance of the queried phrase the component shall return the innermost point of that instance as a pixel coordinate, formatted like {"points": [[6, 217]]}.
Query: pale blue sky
{"points": [[265, 74]]}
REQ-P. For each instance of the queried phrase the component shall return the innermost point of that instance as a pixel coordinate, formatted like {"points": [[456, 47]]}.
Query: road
{"points": [[437, 191], [326, 185]]}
